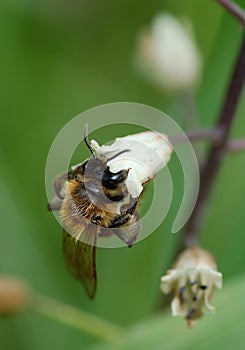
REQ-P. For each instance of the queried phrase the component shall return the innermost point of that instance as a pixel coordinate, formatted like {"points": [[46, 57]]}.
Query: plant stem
{"points": [[236, 145], [217, 150], [81, 320], [234, 9], [212, 135]]}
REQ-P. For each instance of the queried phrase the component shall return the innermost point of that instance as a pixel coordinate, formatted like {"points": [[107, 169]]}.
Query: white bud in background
{"points": [[167, 54]]}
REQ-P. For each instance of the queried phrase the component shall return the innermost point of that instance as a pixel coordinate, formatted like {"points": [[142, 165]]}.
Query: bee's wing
{"points": [[80, 258], [129, 233]]}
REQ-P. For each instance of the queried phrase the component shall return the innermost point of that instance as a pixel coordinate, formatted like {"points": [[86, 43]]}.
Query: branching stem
{"points": [[218, 149], [236, 145], [212, 136]]}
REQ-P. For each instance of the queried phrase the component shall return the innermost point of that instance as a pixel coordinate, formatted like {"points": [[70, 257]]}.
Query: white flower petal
{"points": [[96, 147], [148, 152], [133, 184], [177, 308], [182, 278], [192, 274], [207, 297], [168, 281], [217, 278], [206, 278]]}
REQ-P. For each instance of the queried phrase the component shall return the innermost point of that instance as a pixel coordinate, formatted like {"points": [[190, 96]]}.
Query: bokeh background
{"points": [[59, 58]]}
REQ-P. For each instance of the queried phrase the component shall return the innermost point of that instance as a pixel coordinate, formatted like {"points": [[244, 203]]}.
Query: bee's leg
{"points": [[55, 204], [127, 226], [58, 184], [120, 221], [126, 214], [132, 206]]}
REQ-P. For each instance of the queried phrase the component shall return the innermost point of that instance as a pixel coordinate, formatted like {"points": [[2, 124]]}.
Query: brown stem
{"points": [[236, 145], [234, 9], [217, 150], [212, 135]]}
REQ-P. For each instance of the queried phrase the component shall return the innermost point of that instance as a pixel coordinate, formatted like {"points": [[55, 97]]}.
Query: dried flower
{"points": [[192, 279], [168, 55], [14, 295]]}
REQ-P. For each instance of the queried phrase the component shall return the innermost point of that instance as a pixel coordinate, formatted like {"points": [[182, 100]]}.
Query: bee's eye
{"points": [[111, 180]]}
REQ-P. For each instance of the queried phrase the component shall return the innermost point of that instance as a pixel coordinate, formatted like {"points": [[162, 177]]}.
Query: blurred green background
{"points": [[59, 58]]}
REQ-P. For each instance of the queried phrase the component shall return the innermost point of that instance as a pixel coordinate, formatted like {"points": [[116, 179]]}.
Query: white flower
{"points": [[168, 55], [193, 279], [148, 152]]}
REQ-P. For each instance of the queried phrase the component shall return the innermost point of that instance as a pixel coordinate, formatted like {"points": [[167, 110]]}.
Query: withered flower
{"points": [[192, 279]]}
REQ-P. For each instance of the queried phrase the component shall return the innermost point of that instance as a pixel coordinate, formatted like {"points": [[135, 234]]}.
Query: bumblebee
{"points": [[93, 202]]}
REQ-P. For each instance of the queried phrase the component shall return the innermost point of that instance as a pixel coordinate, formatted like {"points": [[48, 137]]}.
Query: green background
{"points": [[59, 58]]}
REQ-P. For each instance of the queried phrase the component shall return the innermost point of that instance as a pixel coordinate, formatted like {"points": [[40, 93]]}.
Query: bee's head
{"points": [[112, 180], [97, 170]]}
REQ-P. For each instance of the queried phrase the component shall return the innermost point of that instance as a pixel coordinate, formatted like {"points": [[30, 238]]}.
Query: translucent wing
{"points": [[129, 233], [80, 257]]}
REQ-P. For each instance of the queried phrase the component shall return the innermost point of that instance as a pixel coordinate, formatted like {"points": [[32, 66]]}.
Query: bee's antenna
{"points": [[87, 140], [116, 155]]}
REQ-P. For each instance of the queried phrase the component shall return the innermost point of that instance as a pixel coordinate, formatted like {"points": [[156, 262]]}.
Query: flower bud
{"points": [[192, 279], [14, 295], [168, 55]]}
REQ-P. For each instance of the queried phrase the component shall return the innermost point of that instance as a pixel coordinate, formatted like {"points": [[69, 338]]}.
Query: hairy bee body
{"points": [[100, 197], [93, 202], [107, 208]]}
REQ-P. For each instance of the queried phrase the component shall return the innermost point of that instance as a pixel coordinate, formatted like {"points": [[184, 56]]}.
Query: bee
{"points": [[93, 202], [101, 197]]}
